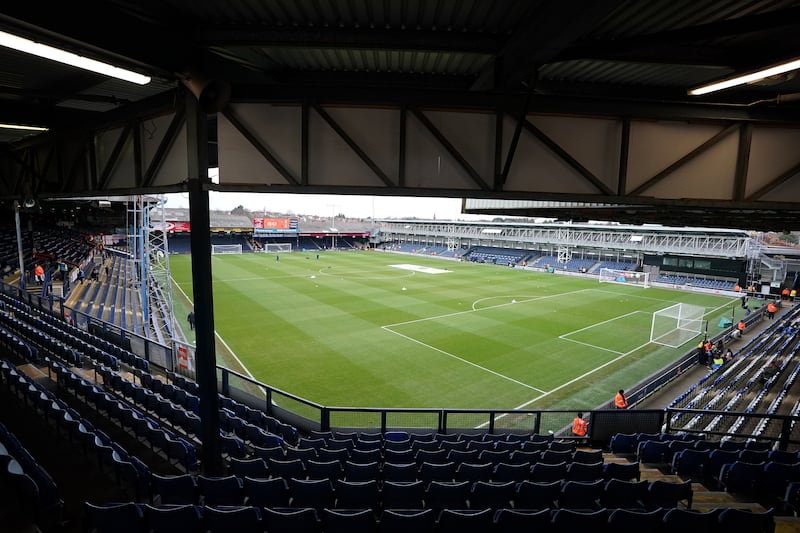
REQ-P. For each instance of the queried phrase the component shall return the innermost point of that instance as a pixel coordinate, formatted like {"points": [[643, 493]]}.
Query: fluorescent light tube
{"points": [[22, 127], [62, 56], [746, 78]]}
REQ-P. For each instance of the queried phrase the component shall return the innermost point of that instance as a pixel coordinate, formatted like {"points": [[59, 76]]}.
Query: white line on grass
{"points": [[630, 295], [357, 274], [474, 310], [448, 354], [596, 347], [589, 373], [570, 382], [217, 335], [599, 324]]}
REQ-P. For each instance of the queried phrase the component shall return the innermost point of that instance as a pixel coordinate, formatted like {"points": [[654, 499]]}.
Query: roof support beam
{"points": [[683, 160], [567, 158], [164, 146], [476, 177], [265, 152], [353, 145], [742, 162]]}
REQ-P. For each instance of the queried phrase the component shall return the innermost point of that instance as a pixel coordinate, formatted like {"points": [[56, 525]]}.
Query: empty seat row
{"points": [[434, 442], [161, 439], [319, 493], [135, 518], [427, 471], [434, 456]]}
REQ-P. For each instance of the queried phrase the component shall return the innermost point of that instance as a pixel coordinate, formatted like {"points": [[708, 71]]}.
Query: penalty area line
{"points": [[448, 354], [568, 383]]}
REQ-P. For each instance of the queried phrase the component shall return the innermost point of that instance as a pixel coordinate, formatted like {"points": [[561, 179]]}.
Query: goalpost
{"points": [[226, 249], [627, 277], [272, 248], [677, 324]]}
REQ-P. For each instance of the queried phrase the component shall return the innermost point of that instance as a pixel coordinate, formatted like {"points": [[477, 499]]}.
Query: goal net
{"points": [[677, 324], [627, 277], [226, 249], [272, 248]]}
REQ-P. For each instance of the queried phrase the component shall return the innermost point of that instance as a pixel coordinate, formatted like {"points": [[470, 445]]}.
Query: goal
{"points": [[272, 248], [611, 275], [677, 324], [226, 249]]}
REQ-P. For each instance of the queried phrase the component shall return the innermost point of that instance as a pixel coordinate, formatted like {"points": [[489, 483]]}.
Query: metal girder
{"points": [[61, 165], [178, 120], [511, 102], [543, 39], [452, 150], [647, 240], [337, 37], [353, 145], [567, 158], [263, 150], [674, 42], [683, 160]]}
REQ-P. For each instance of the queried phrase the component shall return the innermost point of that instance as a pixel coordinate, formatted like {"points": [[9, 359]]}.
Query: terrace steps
{"points": [[706, 499]]}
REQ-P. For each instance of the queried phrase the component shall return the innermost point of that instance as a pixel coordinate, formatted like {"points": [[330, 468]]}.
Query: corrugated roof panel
{"points": [[635, 17], [491, 16], [630, 73]]}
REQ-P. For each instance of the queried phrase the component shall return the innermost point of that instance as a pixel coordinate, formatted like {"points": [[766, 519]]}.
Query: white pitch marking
{"points": [[448, 354]]}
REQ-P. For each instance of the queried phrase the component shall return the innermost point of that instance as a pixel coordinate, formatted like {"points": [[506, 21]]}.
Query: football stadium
{"points": [[604, 339]]}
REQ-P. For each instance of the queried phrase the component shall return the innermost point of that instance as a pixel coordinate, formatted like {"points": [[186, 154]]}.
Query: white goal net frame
{"points": [[218, 249], [274, 248], [677, 324], [625, 277]]}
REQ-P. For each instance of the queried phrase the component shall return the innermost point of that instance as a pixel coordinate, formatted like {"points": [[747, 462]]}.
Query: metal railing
{"points": [[307, 415]]}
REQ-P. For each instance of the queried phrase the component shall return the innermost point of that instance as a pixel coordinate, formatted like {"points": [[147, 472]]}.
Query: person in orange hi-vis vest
{"points": [[771, 310], [620, 401], [579, 426]]}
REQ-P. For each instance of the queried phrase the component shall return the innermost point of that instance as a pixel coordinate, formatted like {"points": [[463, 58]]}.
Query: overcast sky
{"points": [[329, 205]]}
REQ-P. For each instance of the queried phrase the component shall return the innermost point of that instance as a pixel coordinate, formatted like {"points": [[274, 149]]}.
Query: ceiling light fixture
{"points": [[62, 56], [22, 127], [746, 78]]}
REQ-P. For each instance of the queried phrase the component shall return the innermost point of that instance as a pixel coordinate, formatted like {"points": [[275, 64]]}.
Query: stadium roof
{"points": [[641, 228], [624, 58]]}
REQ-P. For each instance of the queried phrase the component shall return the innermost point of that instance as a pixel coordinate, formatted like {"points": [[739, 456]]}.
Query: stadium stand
{"points": [[156, 417], [138, 429]]}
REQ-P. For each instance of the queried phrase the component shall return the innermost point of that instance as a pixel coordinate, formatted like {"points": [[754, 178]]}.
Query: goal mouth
{"points": [[677, 324], [273, 248], [625, 277], [218, 249]]}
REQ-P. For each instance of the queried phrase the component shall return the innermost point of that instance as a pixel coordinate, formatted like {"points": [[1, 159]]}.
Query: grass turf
{"points": [[352, 330]]}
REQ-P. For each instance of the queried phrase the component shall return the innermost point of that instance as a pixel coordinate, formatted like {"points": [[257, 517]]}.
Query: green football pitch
{"points": [[374, 329]]}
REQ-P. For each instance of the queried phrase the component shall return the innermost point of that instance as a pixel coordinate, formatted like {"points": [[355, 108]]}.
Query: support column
{"points": [[200, 240]]}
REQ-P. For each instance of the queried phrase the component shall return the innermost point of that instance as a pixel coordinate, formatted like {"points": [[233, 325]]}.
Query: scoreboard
{"points": [[263, 227]]}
